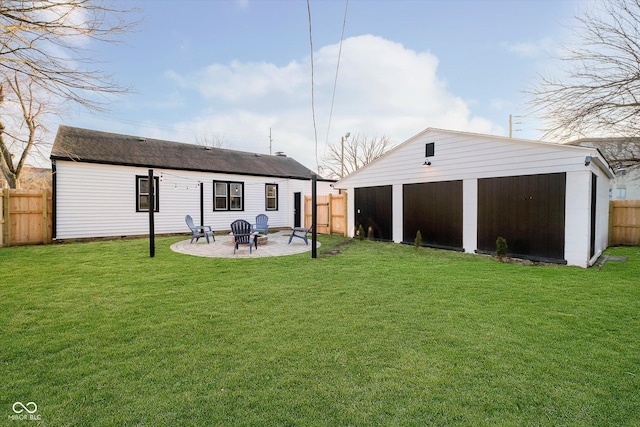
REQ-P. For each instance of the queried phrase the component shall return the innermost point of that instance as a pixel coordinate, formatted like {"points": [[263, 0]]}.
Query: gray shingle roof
{"points": [[90, 146]]}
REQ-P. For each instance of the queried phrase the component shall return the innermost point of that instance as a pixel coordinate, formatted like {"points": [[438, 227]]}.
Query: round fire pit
{"points": [[262, 239]]}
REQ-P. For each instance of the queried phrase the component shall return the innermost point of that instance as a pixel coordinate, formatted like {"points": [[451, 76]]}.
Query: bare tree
{"points": [[359, 150], [24, 132], [213, 140], [598, 90], [45, 64], [32, 178]]}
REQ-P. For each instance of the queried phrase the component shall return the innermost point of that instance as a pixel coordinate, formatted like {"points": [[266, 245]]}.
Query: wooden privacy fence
{"points": [[624, 222], [331, 213], [25, 217]]}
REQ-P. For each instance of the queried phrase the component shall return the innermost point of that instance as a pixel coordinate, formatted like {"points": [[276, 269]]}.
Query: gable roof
{"points": [[601, 162], [90, 146]]}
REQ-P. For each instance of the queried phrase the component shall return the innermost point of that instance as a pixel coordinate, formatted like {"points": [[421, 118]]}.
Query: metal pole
{"points": [[201, 204], [342, 138], [342, 159], [314, 216], [152, 237]]}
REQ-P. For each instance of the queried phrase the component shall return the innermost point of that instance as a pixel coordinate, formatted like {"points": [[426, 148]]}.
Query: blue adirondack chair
{"points": [[199, 231], [301, 233], [262, 224], [243, 234]]}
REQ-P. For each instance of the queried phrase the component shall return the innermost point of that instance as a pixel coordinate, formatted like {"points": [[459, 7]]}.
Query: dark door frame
{"points": [[297, 209]]}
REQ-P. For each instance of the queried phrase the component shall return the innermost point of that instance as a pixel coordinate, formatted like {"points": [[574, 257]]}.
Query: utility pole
{"points": [[511, 123], [270, 141]]}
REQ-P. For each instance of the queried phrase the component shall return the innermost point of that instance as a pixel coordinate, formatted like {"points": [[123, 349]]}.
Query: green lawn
{"points": [[99, 334]]}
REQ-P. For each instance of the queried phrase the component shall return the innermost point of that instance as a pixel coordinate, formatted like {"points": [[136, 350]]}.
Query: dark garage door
{"points": [[434, 208], [373, 211], [528, 211]]}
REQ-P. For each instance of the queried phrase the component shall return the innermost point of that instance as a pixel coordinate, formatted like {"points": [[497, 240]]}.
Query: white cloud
{"points": [[383, 88], [542, 48]]}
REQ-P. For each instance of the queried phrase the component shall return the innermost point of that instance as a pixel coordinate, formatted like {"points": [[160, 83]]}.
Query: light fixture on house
{"points": [[587, 160], [426, 163]]}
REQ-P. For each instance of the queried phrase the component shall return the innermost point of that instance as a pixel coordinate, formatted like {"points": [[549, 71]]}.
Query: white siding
{"points": [[577, 219], [94, 200], [351, 231], [396, 213], [467, 156], [470, 215]]}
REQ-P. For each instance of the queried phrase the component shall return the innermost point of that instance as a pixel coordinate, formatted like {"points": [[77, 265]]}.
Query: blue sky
{"points": [[231, 70]]}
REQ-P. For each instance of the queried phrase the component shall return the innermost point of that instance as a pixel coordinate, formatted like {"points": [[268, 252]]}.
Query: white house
{"points": [[462, 191], [101, 185]]}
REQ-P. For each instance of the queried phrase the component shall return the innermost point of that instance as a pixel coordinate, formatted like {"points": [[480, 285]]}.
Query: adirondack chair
{"points": [[301, 233], [199, 231], [262, 224], [243, 234]]}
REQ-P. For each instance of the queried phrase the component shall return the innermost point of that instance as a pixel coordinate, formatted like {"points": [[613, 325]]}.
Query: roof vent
{"points": [[206, 147], [280, 154], [142, 139]]}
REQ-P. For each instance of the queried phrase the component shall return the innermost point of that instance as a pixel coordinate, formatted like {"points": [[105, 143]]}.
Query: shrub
{"points": [[418, 242], [360, 232], [501, 247]]}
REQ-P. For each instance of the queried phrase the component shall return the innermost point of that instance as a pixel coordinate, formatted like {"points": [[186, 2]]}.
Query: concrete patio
{"points": [[277, 245]]}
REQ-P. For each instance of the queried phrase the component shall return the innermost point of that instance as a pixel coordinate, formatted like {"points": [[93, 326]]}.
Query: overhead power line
{"points": [[313, 108], [335, 81]]}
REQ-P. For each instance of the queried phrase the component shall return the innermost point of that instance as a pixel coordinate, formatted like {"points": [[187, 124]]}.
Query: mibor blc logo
{"points": [[24, 411]]}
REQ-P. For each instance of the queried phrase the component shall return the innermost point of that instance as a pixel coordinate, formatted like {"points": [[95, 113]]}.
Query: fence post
{"points": [[330, 223], [7, 218], [610, 233], [45, 217], [346, 213]]}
